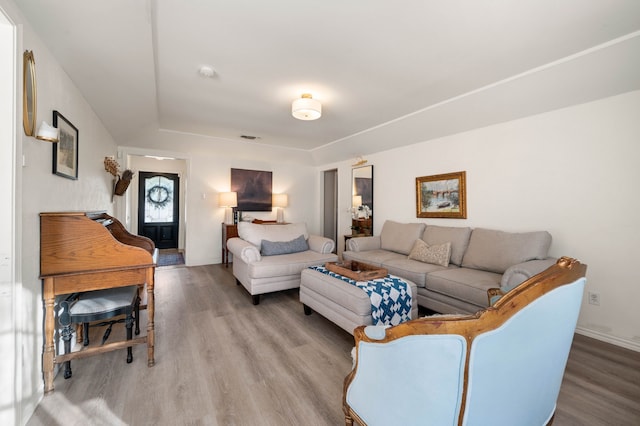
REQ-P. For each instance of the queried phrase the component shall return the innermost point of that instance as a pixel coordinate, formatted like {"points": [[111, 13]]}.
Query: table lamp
{"points": [[280, 201], [228, 200]]}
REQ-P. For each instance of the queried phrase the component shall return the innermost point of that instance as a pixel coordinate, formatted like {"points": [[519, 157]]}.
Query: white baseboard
{"points": [[628, 344]]}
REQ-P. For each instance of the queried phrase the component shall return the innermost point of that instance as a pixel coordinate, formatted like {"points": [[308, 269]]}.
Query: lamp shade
{"points": [[306, 108], [228, 199], [47, 133], [280, 200], [357, 201]]}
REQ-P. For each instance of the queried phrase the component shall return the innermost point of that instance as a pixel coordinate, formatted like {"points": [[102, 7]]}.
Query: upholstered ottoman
{"points": [[342, 303]]}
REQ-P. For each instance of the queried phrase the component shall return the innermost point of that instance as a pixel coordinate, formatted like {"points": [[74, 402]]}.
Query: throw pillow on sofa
{"points": [[436, 254], [274, 248], [457, 236], [255, 233]]}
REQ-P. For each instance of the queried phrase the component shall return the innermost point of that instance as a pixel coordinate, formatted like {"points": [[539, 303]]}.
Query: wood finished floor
{"points": [[222, 361]]}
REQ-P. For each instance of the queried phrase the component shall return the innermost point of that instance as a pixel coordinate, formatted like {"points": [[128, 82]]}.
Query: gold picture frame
{"points": [[442, 196]]}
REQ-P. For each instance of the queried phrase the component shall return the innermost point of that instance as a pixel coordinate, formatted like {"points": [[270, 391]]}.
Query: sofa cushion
{"points": [[413, 270], [274, 248], [399, 237], [457, 236], [255, 233], [437, 254], [287, 264], [496, 251], [468, 285], [372, 257]]}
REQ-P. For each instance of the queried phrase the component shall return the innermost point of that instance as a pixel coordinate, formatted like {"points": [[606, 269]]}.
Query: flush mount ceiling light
{"points": [[306, 108]]}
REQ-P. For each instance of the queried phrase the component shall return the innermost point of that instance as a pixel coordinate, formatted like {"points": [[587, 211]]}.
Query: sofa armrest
{"points": [[321, 244], [364, 243], [521, 272], [243, 250], [493, 294]]}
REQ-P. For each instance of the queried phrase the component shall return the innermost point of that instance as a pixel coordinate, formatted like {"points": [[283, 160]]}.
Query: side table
{"points": [[228, 231]]}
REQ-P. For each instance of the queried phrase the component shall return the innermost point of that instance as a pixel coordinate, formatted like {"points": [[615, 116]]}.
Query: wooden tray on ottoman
{"points": [[356, 270]]}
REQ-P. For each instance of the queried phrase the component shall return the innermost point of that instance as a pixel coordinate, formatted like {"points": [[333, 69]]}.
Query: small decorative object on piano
{"points": [[358, 271], [123, 179]]}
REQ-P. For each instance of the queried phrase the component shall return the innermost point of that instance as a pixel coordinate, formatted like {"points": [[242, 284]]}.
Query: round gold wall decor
{"points": [[29, 94]]}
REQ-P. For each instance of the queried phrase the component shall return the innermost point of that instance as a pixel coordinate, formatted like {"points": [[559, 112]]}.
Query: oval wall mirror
{"points": [[29, 94], [362, 202]]}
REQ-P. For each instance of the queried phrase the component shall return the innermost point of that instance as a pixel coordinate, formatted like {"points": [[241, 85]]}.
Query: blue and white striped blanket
{"points": [[390, 297]]}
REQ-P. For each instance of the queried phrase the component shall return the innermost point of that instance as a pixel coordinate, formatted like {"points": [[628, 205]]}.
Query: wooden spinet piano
{"points": [[84, 251]]}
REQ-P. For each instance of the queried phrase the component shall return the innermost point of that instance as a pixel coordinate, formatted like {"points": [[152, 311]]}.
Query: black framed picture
{"points": [[253, 188], [65, 151]]}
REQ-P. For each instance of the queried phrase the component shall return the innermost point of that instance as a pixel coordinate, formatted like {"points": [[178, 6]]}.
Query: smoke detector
{"points": [[206, 71]]}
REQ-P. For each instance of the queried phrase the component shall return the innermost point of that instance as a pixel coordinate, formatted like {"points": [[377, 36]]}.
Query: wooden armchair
{"points": [[502, 366]]}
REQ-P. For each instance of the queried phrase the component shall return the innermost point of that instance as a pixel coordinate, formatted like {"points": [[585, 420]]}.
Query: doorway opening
{"points": [[134, 203], [330, 210]]}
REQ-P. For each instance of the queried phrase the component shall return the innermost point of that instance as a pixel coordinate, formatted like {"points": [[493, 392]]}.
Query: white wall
{"points": [[8, 279], [40, 191], [208, 171], [573, 172]]}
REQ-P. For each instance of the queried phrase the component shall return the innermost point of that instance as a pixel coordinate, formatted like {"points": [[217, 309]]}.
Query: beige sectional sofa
{"points": [[457, 264], [271, 257]]}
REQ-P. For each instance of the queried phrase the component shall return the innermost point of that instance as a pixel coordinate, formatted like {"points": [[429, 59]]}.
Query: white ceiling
{"points": [[372, 63]]}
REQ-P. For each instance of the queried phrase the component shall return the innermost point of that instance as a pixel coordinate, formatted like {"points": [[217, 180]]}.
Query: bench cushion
{"points": [[339, 292]]}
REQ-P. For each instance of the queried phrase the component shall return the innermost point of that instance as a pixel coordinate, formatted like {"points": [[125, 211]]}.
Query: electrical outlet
{"points": [[594, 298]]}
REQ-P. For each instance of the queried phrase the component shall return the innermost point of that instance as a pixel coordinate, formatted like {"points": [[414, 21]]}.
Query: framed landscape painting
{"points": [[65, 151], [442, 196], [253, 188]]}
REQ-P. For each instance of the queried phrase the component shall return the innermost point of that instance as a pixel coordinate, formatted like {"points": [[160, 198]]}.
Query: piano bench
{"points": [[91, 306]]}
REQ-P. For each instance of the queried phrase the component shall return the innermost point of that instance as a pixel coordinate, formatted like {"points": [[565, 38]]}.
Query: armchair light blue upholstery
{"points": [[501, 366]]}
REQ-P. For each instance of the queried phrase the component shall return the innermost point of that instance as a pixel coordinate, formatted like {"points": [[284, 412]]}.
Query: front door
{"points": [[158, 202]]}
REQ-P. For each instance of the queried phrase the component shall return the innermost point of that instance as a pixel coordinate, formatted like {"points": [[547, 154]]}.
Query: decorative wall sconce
{"points": [[48, 133], [280, 201], [359, 162], [30, 103], [228, 200]]}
